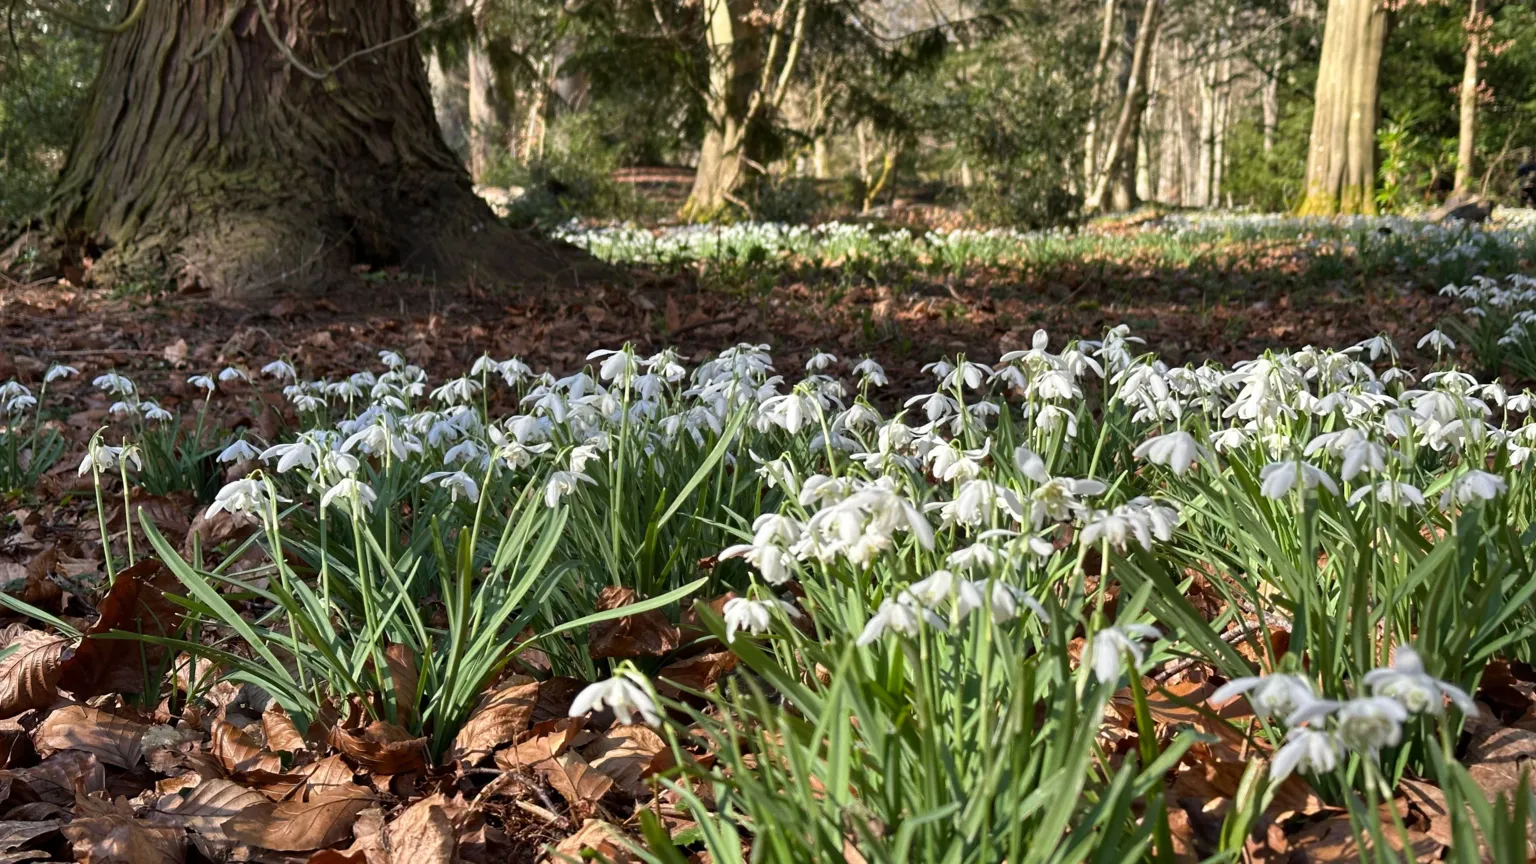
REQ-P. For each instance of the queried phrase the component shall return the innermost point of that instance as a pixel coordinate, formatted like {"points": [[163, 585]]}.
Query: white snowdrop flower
{"points": [[1109, 647], [300, 453], [973, 556], [58, 371], [583, 454], [152, 411], [1367, 725], [752, 616], [626, 694], [1229, 439], [1054, 385], [1006, 599], [124, 409], [238, 451], [820, 362], [456, 482], [1270, 695], [1140, 520], [1058, 499], [1437, 340], [939, 369], [459, 391], [484, 365], [281, 370], [561, 484], [1311, 751], [203, 382], [1357, 450], [859, 416], [972, 375], [391, 359], [942, 587], [1051, 418], [19, 404], [1391, 493], [1473, 486], [114, 383], [1375, 347], [248, 496], [11, 389], [1177, 451], [619, 366], [905, 618], [346, 491], [870, 373], [1407, 682], [103, 457], [1278, 478]]}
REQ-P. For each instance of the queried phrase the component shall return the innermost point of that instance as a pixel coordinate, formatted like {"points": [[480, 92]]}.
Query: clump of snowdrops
{"points": [[935, 601]]}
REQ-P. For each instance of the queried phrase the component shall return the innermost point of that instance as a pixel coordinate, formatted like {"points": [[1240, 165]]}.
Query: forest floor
{"points": [[1225, 314]]}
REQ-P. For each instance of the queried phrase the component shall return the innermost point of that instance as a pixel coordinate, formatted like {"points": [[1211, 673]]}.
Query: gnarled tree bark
{"points": [[245, 151]]}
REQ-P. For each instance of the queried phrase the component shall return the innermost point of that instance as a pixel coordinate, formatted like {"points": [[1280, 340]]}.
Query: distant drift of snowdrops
{"points": [[932, 609], [1450, 251]]}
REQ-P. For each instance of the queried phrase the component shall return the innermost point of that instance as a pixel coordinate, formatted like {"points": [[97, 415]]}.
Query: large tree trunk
{"points": [[484, 121], [1341, 161], [1467, 138], [1100, 65], [241, 153]]}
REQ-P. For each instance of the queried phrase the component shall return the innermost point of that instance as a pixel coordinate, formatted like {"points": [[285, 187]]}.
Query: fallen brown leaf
{"points": [[281, 732], [648, 634], [403, 679], [238, 752], [596, 840], [114, 740], [205, 807], [299, 826], [497, 720], [382, 748], [543, 742], [136, 604], [30, 670], [61, 777], [571, 776], [423, 834], [628, 755], [106, 832], [1497, 759]]}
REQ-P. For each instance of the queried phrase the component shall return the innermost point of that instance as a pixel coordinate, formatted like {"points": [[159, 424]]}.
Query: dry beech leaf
{"points": [[329, 773], [1430, 801], [108, 833], [496, 721], [382, 748], [423, 834], [136, 604], [368, 837], [400, 660], [1333, 840], [694, 673], [114, 740], [238, 752], [1496, 760], [574, 779], [543, 742], [60, 778], [299, 826], [281, 732], [336, 856], [30, 670], [597, 837], [14, 834], [205, 807], [648, 634], [628, 755]]}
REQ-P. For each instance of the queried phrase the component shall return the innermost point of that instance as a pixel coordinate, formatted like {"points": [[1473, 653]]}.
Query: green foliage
{"points": [[45, 70]]}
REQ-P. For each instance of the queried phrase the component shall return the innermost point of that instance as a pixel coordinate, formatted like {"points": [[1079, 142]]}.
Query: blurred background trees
{"points": [[1026, 112]]}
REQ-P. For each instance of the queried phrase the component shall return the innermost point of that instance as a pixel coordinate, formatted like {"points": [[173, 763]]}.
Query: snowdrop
{"points": [[1270, 695], [905, 618], [203, 382], [349, 490], [626, 694], [752, 616], [1279, 478], [1177, 451], [561, 484], [249, 496], [59, 371], [1109, 647], [456, 482], [1311, 751], [1474, 485], [1407, 682], [101, 458]]}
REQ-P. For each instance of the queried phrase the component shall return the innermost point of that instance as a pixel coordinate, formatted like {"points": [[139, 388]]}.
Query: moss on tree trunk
{"points": [[243, 154]]}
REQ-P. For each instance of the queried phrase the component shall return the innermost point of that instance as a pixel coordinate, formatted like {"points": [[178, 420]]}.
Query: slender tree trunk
{"points": [[1130, 110], [270, 152], [1467, 139], [482, 111], [1207, 133], [1341, 160], [1091, 140]]}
